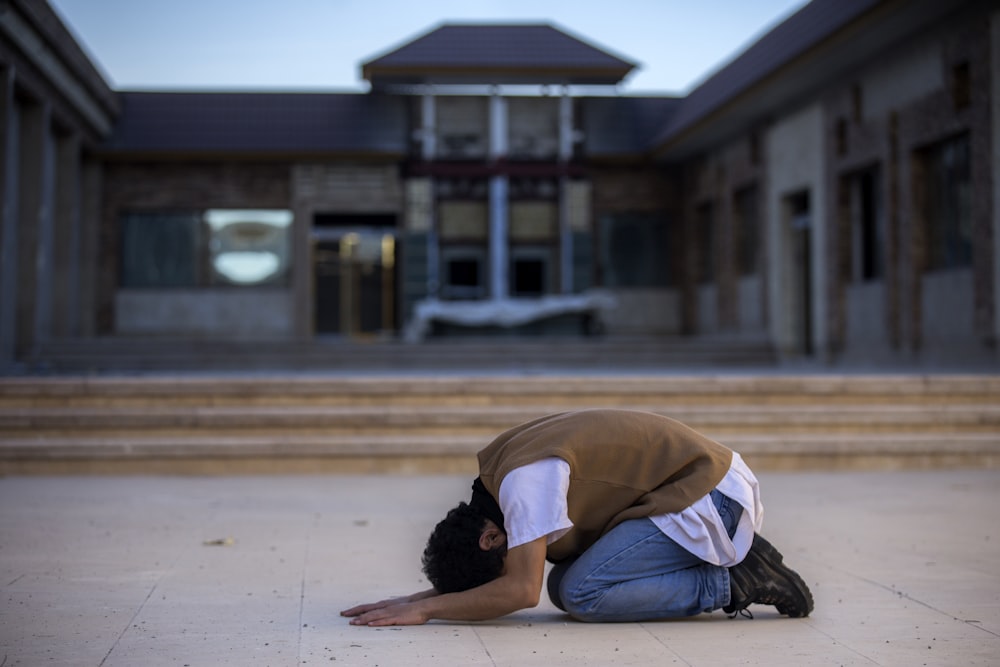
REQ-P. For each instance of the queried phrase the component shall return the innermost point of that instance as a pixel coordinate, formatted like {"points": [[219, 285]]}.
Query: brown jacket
{"points": [[623, 465]]}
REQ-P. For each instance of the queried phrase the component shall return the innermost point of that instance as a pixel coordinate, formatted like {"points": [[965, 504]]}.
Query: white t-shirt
{"points": [[533, 502]]}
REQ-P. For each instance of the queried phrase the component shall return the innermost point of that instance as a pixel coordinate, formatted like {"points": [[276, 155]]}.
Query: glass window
{"points": [[463, 220], [634, 251], [528, 277], [531, 271], [249, 247], [462, 127], [947, 209], [161, 249], [867, 228], [203, 249], [533, 221], [533, 127], [463, 272]]}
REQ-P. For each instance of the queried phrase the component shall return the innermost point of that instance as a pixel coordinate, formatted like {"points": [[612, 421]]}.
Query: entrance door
{"points": [[355, 278]]}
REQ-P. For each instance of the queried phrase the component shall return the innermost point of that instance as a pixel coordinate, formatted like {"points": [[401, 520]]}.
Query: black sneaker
{"points": [[762, 578]]}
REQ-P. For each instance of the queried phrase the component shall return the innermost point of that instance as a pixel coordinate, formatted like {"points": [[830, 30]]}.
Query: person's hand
{"points": [[398, 611], [372, 606]]}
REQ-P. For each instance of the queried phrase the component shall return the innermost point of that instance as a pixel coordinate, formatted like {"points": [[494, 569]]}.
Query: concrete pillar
{"points": [[995, 165], [428, 125], [565, 239], [9, 188], [498, 126], [34, 226], [45, 216], [499, 250], [565, 228], [499, 204], [565, 126], [66, 238], [303, 279], [428, 139], [89, 239]]}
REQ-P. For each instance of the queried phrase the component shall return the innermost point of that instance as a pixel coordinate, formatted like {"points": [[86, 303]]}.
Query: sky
{"points": [[319, 45]]}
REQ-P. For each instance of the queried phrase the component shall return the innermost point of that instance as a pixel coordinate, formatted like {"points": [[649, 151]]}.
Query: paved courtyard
{"points": [[904, 567]]}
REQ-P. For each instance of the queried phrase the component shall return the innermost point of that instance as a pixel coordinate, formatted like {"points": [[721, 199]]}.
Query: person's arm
{"points": [[519, 587]]}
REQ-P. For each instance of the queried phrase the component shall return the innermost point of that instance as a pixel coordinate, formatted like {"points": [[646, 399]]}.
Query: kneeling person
{"points": [[644, 518]]}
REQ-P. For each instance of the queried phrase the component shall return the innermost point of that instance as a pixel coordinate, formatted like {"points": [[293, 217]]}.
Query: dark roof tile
{"points": [[259, 123], [802, 31], [518, 53]]}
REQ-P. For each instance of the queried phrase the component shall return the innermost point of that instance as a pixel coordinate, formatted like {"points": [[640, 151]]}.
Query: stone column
{"points": [[35, 164], [91, 182], [66, 278], [995, 165], [499, 250], [428, 148], [499, 205], [9, 188], [428, 126], [45, 249], [565, 228], [303, 308]]}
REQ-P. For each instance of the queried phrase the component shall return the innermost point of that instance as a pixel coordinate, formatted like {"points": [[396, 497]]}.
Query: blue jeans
{"points": [[636, 573]]}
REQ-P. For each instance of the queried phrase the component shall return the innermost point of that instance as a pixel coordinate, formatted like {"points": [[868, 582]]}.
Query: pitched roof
{"points": [[39, 32], [804, 30], [513, 53], [210, 122], [824, 42]]}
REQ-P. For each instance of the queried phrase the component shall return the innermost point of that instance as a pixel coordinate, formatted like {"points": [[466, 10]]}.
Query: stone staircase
{"points": [[491, 353], [435, 423]]}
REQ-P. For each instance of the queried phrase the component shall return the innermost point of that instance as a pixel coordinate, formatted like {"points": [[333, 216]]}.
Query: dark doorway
{"points": [[355, 280]]}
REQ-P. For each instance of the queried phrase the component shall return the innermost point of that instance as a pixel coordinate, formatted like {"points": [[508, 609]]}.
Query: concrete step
{"points": [[774, 418], [577, 390], [446, 454], [113, 354], [437, 422]]}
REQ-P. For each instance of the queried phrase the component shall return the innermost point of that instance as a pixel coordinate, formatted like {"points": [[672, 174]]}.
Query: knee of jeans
{"points": [[552, 587], [579, 603]]}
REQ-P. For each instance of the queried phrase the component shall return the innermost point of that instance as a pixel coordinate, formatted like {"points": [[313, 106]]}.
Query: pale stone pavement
{"points": [[116, 571]]}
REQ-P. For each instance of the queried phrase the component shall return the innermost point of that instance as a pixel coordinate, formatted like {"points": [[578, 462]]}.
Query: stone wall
{"points": [[932, 89], [795, 155], [137, 187], [626, 189], [55, 108], [724, 298]]}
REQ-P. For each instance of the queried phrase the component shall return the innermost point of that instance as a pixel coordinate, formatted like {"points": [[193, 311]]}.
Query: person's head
{"points": [[465, 550]]}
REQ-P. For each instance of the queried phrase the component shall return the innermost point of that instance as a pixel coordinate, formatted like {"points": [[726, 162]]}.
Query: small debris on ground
{"points": [[221, 542]]}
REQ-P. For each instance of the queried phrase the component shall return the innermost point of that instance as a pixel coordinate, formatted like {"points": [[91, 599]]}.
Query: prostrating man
{"points": [[643, 517]]}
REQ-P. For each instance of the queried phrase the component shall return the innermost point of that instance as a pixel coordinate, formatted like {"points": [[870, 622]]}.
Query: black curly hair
{"points": [[453, 561]]}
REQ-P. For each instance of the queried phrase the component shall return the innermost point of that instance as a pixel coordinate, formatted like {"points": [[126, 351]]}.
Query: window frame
{"points": [[206, 245]]}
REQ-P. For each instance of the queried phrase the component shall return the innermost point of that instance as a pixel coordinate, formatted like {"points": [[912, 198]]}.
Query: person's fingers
{"points": [[366, 618], [362, 608]]}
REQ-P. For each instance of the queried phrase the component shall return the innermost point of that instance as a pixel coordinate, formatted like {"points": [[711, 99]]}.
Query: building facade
{"points": [[55, 111], [832, 191]]}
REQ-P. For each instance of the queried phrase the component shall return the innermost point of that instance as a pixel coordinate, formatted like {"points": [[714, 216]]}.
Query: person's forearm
{"points": [[519, 587], [493, 600], [423, 595]]}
